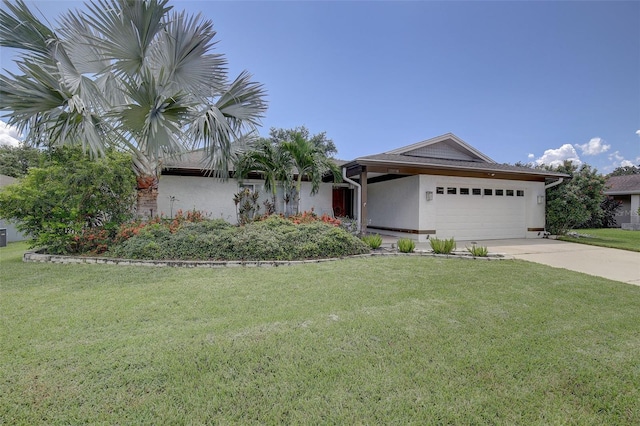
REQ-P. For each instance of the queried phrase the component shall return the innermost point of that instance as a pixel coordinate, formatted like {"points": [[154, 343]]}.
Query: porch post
{"points": [[635, 205], [363, 200]]}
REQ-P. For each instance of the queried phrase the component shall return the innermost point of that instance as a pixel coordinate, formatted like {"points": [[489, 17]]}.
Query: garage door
{"points": [[468, 213]]}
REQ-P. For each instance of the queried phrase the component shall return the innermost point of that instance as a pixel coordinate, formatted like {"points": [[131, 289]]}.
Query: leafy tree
{"points": [[607, 219], [16, 161], [319, 140], [69, 195], [128, 74], [625, 171], [575, 201]]}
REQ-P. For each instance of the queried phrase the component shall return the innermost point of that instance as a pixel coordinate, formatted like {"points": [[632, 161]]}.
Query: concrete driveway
{"points": [[614, 264]]}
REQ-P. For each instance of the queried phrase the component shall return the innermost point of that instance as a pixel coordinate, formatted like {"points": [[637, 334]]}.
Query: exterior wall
{"points": [[321, 203], [624, 212], [394, 203], [215, 197], [12, 233]]}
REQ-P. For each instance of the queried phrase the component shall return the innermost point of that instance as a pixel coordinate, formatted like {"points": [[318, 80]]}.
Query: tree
{"points": [[310, 161], [131, 75], [68, 195], [625, 171], [15, 161], [285, 154], [575, 201], [270, 161], [320, 140]]}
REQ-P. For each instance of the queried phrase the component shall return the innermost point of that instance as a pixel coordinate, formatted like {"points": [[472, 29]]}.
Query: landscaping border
{"points": [[37, 257]]}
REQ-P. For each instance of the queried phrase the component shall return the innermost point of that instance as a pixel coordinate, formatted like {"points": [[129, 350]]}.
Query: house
{"points": [[440, 187], [12, 234], [626, 189]]}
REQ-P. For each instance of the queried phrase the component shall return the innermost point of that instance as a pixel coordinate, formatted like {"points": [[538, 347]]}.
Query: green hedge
{"points": [[274, 238]]}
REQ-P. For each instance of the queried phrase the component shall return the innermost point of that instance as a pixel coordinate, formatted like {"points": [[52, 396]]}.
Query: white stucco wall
{"points": [[394, 203], [215, 197]]}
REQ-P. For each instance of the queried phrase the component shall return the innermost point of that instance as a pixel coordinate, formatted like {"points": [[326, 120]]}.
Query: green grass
{"points": [[608, 237], [401, 340]]}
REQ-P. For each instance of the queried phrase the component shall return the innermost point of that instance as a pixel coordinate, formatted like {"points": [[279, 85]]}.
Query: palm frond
{"points": [[181, 55], [124, 30], [20, 29]]}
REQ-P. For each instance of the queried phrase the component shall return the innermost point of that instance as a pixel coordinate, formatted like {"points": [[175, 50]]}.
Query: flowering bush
{"points": [[92, 240], [131, 229], [311, 217]]}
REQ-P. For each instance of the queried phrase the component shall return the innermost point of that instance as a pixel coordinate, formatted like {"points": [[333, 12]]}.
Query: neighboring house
{"points": [[12, 233], [626, 189], [441, 187]]}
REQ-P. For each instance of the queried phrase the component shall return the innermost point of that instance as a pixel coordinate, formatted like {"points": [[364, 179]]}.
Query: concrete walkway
{"points": [[614, 264]]}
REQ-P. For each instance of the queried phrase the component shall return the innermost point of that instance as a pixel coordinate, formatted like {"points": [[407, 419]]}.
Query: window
{"points": [[499, 192], [250, 186], [464, 191], [520, 193], [476, 191], [509, 192], [439, 190], [488, 191], [452, 191]]}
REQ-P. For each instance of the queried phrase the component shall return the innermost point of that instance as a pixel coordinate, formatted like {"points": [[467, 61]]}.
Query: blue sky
{"points": [[520, 81]]}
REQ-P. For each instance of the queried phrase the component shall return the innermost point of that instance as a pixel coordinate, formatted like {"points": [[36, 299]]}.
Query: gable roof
{"points": [[445, 155], [447, 146], [623, 185]]}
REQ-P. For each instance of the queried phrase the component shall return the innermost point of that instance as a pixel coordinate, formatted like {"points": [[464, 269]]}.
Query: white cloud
{"points": [[616, 157], [594, 147], [555, 157], [9, 135], [531, 156], [618, 160], [638, 132]]}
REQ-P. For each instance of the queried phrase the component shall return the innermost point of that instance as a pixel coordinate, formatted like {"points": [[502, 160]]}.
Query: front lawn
{"points": [[361, 341], [607, 237]]}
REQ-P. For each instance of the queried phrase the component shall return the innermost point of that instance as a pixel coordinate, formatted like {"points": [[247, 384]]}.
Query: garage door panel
{"points": [[468, 217]]}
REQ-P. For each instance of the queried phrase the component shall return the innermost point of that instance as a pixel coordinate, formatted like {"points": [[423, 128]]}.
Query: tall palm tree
{"points": [[131, 74], [270, 161], [310, 161]]}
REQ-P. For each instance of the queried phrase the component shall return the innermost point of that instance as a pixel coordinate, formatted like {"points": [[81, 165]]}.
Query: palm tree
{"points": [[130, 74], [270, 161], [310, 161]]}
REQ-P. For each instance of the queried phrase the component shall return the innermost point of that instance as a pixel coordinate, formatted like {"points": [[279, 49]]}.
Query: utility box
{"points": [[3, 237]]}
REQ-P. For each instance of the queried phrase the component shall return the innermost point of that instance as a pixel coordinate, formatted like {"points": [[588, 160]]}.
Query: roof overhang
{"points": [[375, 167], [631, 192]]}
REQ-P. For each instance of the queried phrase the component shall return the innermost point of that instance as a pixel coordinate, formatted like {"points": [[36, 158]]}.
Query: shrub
{"points": [[478, 251], [311, 216], [406, 245], [348, 224], [247, 207], [70, 199], [372, 240], [274, 238], [442, 246]]}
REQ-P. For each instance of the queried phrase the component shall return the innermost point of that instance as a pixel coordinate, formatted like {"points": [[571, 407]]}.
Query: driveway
{"points": [[614, 264]]}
